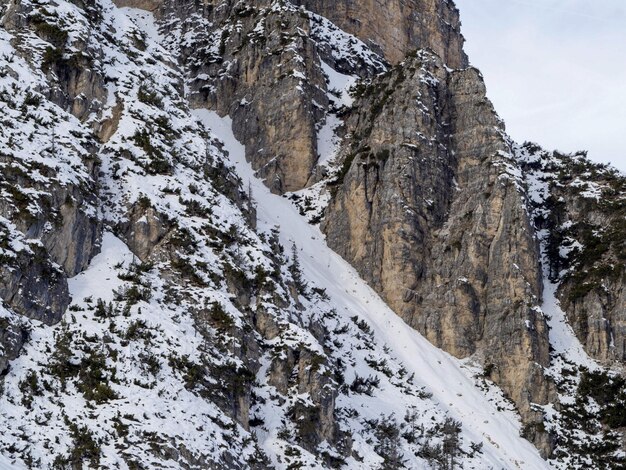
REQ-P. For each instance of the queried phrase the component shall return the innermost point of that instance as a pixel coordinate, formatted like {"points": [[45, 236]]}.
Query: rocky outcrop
{"points": [[61, 215], [13, 335], [394, 30], [143, 229], [48, 225], [399, 26], [52, 199], [428, 212], [597, 316], [30, 283], [74, 79], [266, 73], [262, 64], [148, 5], [260, 67], [314, 407], [579, 206]]}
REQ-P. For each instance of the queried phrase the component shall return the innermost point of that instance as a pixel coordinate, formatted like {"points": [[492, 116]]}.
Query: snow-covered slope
{"points": [[446, 378]]}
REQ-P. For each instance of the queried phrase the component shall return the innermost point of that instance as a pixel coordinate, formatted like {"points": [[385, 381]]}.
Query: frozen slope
{"points": [[6, 464], [562, 337], [441, 374]]}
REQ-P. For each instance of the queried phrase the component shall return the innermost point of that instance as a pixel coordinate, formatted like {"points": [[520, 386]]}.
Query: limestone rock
{"points": [[143, 230], [267, 77], [31, 285], [13, 335], [149, 5], [398, 27], [426, 211], [432, 205]]}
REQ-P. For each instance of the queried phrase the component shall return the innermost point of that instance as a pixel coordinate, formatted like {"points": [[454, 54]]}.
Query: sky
{"points": [[555, 70]]}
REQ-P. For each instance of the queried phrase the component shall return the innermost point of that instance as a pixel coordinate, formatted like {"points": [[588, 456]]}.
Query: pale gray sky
{"points": [[555, 70]]}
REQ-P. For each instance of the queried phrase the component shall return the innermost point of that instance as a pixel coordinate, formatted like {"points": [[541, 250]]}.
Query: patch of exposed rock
{"points": [[399, 27]]}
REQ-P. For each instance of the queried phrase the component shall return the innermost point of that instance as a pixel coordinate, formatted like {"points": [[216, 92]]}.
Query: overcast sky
{"points": [[555, 70]]}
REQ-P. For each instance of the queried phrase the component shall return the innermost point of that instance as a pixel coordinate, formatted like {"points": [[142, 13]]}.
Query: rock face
{"points": [[427, 212], [12, 337], [260, 64], [104, 137], [398, 27], [597, 317], [148, 5], [257, 63], [32, 286], [49, 200], [579, 206]]}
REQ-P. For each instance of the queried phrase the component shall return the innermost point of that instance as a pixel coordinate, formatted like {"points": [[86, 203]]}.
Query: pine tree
{"points": [[251, 213], [451, 442], [388, 434], [295, 271]]}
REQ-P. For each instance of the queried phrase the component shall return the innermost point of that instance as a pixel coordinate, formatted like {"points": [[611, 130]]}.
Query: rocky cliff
{"points": [[151, 273], [427, 209], [399, 26]]}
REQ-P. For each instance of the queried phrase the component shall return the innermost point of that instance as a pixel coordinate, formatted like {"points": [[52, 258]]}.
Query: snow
{"points": [[314, 199], [591, 190], [6, 464], [167, 406], [443, 376], [344, 47], [328, 141], [102, 277], [341, 83], [147, 23], [562, 337]]}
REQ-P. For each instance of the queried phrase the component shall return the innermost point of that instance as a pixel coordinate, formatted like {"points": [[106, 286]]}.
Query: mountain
{"points": [[292, 234]]}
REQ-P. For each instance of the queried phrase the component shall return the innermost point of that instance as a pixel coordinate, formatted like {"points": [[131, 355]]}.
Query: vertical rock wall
{"points": [[429, 209]]}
